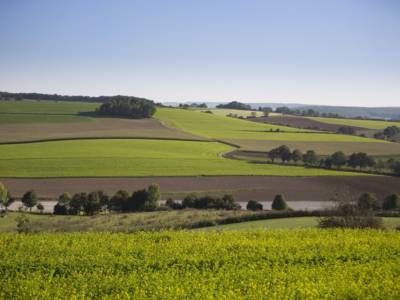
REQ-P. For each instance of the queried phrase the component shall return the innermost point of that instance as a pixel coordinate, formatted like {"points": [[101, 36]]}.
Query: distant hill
{"points": [[387, 113]]}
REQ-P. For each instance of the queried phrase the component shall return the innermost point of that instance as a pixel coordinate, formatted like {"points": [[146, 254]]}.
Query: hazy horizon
{"points": [[340, 53]]}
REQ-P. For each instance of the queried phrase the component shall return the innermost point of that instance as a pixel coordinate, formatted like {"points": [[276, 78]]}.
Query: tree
{"points": [[92, 203], [273, 154], [346, 130], [5, 197], [145, 199], [153, 197], [284, 153], [395, 166], [235, 105], [391, 131], [76, 203], [119, 202], [361, 160], [132, 107], [40, 207], [254, 205], [391, 202], [29, 199], [283, 110], [338, 159], [368, 201], [310, 158], [279, 202], [297, 155]]}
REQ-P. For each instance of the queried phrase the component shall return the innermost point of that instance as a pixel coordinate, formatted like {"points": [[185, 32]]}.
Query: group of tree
{"points": [[131, 107], [56, 97], [193, 105], [305, 113], [94, 202], [388, 133], [235, 105], [346, 130], [226, 202], [361, 213], [29, 199], [279, 203], [358, 160], [284, 153]]}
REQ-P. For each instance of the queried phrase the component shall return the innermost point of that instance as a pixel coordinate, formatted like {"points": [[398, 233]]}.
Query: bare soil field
{"points": [[300, 122], [323, 148], [243, 188], [95, 128]]}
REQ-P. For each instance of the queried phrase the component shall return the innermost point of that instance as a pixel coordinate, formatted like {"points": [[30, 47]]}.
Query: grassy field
{"points": [[214, 126], [298, 222], [46, 107], [133, 158], [27, 111], [129, 222], [370, 124], [276, 264]]}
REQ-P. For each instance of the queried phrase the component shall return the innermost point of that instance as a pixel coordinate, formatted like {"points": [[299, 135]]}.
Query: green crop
{"points": [[276, 264], [119, 157]]}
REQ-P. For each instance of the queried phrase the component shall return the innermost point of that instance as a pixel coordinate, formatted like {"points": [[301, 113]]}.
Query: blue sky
{"points": [[332, 52]]}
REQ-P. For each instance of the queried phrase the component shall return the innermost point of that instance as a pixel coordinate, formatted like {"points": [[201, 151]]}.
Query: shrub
{"points": [[209, 202], [279, 202], [29, 199], [254, 205], [391, 202], [172, 204], [368, 201], [40, 207], [23, 224], [349, 215]]}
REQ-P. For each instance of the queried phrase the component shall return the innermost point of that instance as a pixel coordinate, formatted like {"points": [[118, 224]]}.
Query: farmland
{"points": [[370, 124], [214, 126], [278, 264], [133, 158], [296, 222]]}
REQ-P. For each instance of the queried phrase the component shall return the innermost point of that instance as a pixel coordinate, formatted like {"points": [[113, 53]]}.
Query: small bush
{"points": [[279, 202], [23, 224], [391, 202], [254, 205]]}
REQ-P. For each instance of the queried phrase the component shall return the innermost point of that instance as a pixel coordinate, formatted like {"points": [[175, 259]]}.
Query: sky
{"points": [[329, 52]]}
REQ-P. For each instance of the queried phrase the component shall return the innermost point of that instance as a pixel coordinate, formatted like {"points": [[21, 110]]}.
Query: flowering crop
{"points": [[277, 264]]}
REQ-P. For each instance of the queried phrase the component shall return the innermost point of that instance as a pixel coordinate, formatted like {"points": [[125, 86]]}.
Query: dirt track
{"points": [[260, 188]]}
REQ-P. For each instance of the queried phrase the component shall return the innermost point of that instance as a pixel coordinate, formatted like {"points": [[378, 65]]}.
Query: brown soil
{"points": [[261, 188], [301, 122], [96, 128]]}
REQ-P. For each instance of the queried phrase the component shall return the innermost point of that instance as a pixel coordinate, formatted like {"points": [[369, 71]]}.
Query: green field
{"points": [[214, 126], [370, 124], [297, 222], [43, 111], [276, 264], [46, 107], [133, 158]]}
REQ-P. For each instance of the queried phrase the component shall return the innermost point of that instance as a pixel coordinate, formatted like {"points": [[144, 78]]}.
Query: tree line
{"points": [[388, 133], [128, 107], [56, 97], [357, 160], [235, 105]]}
